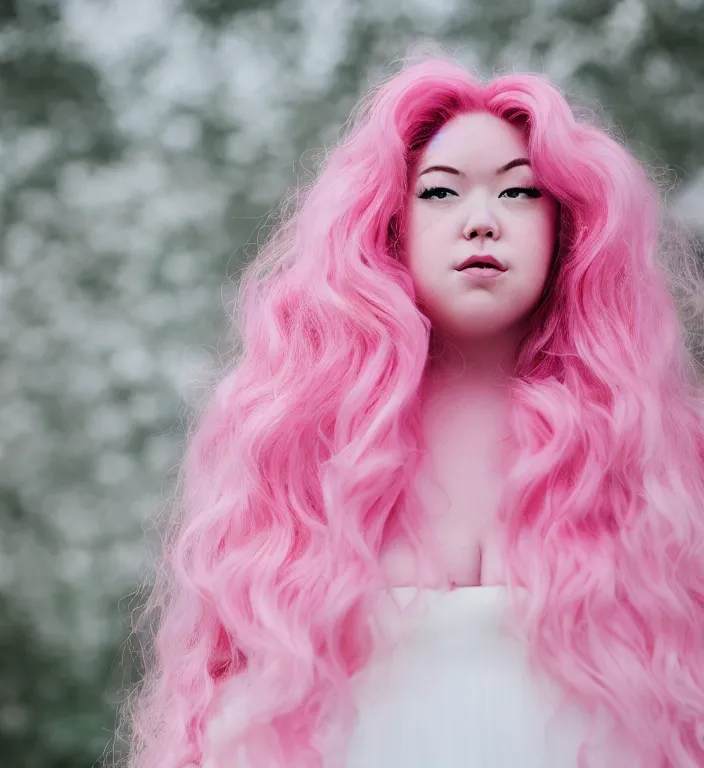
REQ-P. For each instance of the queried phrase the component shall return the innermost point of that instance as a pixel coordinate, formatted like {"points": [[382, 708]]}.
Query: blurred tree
{"points": [[650, 81], [218, 12], [53, 714], [51, 113]]}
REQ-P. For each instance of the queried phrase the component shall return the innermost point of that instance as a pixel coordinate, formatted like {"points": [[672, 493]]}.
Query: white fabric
{"points": [[457, 692], [454, 691]]}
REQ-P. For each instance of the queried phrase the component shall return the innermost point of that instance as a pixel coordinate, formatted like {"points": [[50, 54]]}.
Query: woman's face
{"points": [[478, 205]]}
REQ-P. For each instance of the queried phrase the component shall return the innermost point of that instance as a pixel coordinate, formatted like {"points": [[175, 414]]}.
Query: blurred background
{"points": [[142, 145]]}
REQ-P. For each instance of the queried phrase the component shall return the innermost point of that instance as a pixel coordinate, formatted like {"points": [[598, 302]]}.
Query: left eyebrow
{"points": [[449, 169]]}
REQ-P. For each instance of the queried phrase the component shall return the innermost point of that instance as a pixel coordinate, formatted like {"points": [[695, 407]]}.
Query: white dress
{"points": [[454, 691], [457, 692]]}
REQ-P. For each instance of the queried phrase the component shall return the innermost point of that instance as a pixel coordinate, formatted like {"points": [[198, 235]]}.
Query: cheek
{"points": [[419, 241]]}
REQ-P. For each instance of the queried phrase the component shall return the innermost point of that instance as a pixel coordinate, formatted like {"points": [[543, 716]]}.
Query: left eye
{"points": [[515, 191]]}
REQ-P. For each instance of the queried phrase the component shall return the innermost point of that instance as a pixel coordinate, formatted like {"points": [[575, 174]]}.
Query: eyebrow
{"points": [[497, 172]]}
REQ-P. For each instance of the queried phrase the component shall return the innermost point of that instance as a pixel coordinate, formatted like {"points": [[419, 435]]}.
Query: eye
{"points": [[441, 193], [514, 192]]}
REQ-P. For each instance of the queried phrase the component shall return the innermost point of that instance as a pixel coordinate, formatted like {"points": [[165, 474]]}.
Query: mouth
{"points": [[481, 263]]}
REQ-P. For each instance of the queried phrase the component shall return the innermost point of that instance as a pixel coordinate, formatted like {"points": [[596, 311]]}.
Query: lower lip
{"points": [[481, 274]]}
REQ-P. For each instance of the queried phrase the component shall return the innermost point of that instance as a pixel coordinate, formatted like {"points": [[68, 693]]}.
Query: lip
{"points": [[486, 257], [482, 274]]}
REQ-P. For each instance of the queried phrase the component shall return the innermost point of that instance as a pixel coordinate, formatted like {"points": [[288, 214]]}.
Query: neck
{"points": [[480, 369]]}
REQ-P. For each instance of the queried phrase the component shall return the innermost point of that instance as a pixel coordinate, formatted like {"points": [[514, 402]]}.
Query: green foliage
{"points": [[218, 12], [52, 715]]}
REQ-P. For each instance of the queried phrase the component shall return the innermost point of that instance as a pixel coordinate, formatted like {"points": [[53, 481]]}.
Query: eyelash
{"points": [[532, 192]]}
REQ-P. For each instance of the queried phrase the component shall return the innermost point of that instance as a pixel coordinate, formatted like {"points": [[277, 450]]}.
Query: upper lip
{"points": [[486, 258]]}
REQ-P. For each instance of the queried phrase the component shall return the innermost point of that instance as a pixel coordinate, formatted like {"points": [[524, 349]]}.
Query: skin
{"points": [[465, 393]]}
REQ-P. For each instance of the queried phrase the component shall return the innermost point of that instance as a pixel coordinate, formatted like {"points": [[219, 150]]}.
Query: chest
{"points": [[459, 487]]}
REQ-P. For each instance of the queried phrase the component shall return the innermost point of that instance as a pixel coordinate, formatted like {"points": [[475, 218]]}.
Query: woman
{"points": [[529, 432]]}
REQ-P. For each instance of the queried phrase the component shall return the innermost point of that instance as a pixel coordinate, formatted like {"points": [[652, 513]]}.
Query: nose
{"points": [[480, 229], [480, 223]]}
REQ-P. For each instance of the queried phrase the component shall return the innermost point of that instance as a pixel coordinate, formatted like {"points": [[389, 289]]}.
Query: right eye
{"points": [[440, 193]]}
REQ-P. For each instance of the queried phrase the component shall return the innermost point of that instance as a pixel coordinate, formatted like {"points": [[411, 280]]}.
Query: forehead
{"points": [[477, 139]]}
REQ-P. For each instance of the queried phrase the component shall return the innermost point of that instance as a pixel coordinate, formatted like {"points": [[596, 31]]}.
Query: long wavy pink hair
{"points": [[304, 452]]}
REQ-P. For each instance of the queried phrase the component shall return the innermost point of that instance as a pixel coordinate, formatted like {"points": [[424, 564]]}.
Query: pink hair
{"points": [[305, 451]]}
